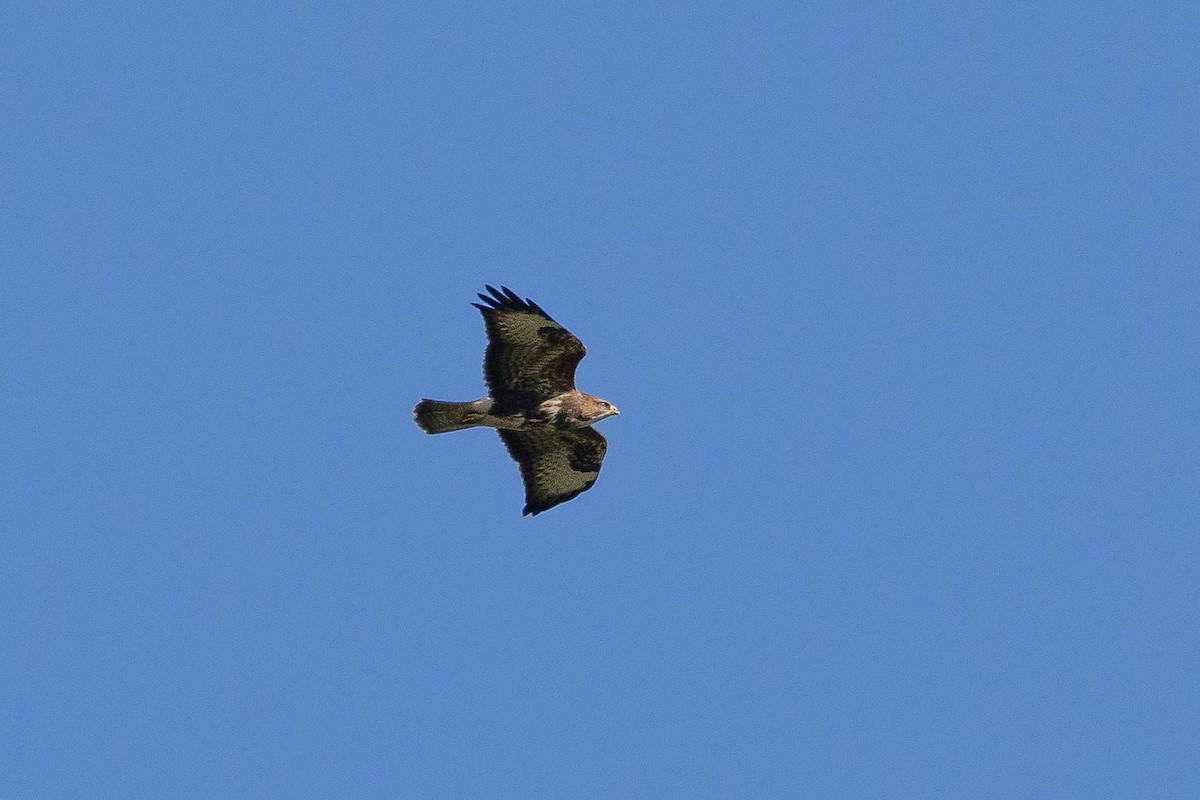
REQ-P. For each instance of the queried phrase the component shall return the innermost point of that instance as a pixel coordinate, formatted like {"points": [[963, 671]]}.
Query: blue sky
{"points": [[898, 302]]}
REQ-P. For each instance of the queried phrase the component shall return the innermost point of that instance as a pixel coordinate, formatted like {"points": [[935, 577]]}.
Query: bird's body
{"points": [[572, 409], [543, 420]]}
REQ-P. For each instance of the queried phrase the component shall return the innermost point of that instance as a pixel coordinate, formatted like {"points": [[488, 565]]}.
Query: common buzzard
{"points": [[543, 420]]}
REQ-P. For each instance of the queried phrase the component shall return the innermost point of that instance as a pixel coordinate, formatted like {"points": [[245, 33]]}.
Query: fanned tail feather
{"points": [[442, 416]]}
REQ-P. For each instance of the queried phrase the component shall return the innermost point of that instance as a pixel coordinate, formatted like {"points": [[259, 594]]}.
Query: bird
{"points": [[544, 421]]}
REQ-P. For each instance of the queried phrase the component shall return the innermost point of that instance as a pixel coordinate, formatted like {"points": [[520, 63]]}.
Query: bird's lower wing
{"points": [[556, 465]]}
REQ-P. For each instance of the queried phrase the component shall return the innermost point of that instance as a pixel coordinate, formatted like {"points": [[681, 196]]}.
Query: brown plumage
{"points": [[543, 420]]}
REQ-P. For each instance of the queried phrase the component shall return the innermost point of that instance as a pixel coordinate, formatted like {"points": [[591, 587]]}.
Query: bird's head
{"points": [[603, 409]]}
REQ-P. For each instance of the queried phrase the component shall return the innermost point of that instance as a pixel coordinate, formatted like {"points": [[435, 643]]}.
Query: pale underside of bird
{"points": [[543, 420]]}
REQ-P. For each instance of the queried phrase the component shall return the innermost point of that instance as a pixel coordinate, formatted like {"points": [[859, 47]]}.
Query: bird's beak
{"points": [[616, 411]]}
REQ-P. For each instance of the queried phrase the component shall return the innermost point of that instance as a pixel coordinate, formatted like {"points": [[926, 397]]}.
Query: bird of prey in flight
{"points": [[543, 420]]}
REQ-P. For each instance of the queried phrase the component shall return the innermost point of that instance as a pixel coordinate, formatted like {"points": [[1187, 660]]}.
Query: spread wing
{"points": [[556, 464], [529, 356]]}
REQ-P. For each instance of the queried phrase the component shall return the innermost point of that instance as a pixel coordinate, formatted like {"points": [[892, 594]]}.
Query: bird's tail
{"points": [[441, 416]]}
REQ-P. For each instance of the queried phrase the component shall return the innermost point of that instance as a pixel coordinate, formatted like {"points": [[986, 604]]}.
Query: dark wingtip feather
{"points": [[550, 502], [532, 510], [492, 302], [505, 299]]}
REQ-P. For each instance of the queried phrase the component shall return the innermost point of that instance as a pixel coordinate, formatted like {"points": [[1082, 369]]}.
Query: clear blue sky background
{"points": [[899, 303]]}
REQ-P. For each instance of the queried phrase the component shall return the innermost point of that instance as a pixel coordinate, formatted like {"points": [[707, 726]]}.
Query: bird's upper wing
{"points": [[529, 356], [556, 464]]}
